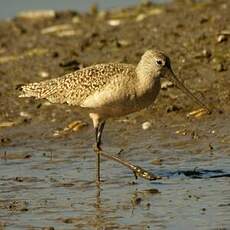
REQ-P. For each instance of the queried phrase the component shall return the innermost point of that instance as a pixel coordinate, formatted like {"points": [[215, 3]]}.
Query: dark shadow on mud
{"points": [[201, 173]]}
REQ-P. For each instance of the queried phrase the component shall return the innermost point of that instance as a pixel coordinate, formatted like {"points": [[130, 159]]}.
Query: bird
{"points": [[110, 90]]}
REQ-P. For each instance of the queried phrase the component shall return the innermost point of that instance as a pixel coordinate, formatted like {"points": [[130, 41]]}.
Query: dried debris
{"points": [[74, 126], [197, 113]]}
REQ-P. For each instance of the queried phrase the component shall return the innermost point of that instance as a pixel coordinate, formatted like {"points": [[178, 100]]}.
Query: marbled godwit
{"points": [[110, 90]]}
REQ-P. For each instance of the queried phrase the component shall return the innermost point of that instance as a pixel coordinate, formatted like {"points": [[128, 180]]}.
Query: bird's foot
{"points": [[138, 171]]}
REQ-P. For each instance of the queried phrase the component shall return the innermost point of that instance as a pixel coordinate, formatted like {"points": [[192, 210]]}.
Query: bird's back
{"points": [[74, 88]]}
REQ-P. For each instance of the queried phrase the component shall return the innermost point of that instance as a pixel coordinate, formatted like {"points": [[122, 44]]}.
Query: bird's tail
{"points": [[38, 90]]}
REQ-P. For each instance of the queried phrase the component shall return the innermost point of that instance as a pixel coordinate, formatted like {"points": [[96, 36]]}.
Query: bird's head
{"points": [[156, 65]]}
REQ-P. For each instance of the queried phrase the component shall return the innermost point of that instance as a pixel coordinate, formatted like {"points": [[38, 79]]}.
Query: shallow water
{"points": [[49, 182]]}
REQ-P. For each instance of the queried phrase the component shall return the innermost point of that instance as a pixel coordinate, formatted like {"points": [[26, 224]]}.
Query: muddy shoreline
{"points": [[47, 163]]}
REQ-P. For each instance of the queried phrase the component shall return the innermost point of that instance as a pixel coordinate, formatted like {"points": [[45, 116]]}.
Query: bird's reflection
{"points": [[99, 212]]}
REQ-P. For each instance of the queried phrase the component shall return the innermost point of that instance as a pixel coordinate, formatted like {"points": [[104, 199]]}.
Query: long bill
{"points": [[181, 86]]}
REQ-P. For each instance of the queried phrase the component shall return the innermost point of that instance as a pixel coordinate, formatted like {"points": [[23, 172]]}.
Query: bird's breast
{"points": [[121, 99]]}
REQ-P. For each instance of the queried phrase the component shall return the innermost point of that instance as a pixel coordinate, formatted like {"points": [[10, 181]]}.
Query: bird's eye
{"points": [[159, 62]]}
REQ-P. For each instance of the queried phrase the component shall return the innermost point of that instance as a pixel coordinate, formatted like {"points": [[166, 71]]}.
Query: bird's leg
{"points": [[137, 171], [98, 132]]}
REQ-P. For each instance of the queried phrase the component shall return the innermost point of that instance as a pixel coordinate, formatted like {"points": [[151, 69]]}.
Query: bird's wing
{"points": [[73, 88]]}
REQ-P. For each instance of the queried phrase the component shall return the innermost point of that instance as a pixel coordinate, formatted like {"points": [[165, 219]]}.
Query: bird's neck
{"points": [[147, 81], [144, 70]]}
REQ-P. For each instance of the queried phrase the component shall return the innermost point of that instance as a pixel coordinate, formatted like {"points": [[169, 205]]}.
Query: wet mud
{"points": [[47, 163]]}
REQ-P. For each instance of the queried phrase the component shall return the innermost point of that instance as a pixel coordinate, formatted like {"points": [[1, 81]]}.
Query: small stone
{"points": [[43, 74], [166, 84], [219, 67], [140, 17], [76, 19], [24, 114], [123, 43], [173, 108], [46, 103], [114, 22], [206, 53], [146, 125], [222, 38]]}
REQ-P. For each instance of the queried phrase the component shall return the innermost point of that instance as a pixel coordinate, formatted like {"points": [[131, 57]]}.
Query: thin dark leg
{"points": [[99, 134], [138, 171], [99, 131]]}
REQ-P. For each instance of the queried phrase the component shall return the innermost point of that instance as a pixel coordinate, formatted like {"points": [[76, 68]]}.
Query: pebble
{"points": [[219, 67], [43, 74], [222, 38], [46, 103], [146, 125], [123, 43], [140, 17], [24, 114], [76, 19], [166, 84], [206, 53], [114, 22], [172, 108]]}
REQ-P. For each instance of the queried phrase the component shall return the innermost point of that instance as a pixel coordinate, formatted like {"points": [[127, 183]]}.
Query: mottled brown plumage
{"points": [[74, 88]]}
